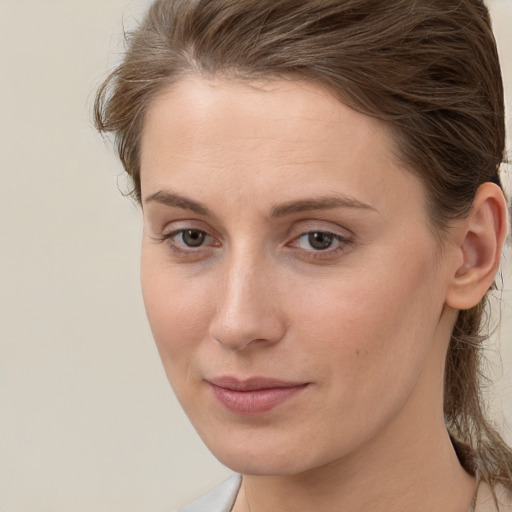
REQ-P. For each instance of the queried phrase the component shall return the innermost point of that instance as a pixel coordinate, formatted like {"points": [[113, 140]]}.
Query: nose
{"points": [[248, 308]]}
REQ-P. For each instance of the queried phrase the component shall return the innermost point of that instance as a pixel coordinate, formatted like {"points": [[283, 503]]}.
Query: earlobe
{"points": [[483, 233]]}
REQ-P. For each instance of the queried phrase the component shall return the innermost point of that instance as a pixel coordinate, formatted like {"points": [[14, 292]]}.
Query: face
{"points": [[290, 276]]}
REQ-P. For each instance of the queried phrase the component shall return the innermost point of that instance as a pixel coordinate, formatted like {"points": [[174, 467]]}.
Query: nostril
{"points": [[238, 329], [246, 311]]}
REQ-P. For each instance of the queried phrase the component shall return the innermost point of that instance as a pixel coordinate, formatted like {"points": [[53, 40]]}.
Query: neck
{"points": [[429, 478]]}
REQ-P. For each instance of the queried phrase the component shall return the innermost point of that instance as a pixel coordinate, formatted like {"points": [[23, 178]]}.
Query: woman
{"points": [[323, 219]]}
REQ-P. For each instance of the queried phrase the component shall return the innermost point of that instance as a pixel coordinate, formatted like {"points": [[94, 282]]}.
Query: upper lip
{"points": [[252, 383]]}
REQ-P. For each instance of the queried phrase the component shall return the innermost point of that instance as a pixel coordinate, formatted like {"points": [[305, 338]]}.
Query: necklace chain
{"points": [[245, 495]]}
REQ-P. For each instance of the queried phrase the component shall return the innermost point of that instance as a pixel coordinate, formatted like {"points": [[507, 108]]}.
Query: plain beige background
{"points": [[87, 419]]}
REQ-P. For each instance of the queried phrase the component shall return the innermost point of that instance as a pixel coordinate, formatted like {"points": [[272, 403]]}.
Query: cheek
{"points": [[378, 322], [368, 338], [177, 308]]}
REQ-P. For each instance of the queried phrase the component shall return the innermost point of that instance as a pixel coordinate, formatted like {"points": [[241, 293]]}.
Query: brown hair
{"points": [[429, 68]]}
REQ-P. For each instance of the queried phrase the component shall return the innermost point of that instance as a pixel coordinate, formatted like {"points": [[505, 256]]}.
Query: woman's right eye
{"points": [[187, 241], [191, 237]]}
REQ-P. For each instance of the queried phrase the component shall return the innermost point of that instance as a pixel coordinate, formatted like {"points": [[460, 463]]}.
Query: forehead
{"points": [[290, 111], [256, 137]]}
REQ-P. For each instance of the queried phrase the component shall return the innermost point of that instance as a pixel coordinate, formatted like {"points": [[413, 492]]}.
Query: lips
{"points": [[252, 396]]}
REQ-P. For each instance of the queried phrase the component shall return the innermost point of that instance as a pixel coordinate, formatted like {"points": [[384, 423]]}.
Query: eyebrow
{"points": [[289, 208], [178, 201], [321, 203]]}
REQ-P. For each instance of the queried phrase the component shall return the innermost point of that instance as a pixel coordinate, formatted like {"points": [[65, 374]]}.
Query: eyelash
{"points": [[180, 250], [342, 246]]}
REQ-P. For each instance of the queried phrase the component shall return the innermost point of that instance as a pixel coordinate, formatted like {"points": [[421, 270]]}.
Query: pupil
{"points": [[193, 237], [319, 240]]}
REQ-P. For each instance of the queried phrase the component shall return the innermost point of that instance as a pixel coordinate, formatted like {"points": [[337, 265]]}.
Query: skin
{"points": [[364, 323]]}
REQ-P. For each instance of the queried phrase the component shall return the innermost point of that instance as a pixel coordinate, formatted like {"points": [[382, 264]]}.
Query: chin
{"points": [[267, 455], [261, 464]]}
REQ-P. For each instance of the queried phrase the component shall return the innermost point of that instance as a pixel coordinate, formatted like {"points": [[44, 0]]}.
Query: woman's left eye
{"points": [[318, 241]]}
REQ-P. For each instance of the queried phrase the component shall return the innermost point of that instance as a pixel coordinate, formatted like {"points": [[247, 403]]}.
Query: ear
{"points": [[480, 236]]}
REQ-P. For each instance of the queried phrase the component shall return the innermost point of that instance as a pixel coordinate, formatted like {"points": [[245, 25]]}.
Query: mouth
{"points": [[253, 396]]}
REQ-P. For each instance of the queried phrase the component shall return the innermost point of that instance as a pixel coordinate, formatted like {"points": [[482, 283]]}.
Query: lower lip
{"points": [[255, 401]]}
